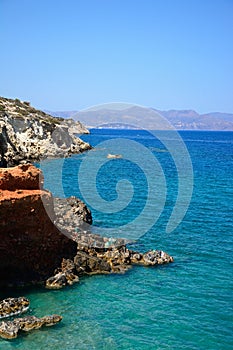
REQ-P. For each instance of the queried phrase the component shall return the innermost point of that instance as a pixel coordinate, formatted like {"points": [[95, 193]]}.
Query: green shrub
{"points": [[18, 102]]}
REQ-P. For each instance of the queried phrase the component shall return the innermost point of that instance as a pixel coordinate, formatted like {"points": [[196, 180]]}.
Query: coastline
{"points": [[32, 249]]}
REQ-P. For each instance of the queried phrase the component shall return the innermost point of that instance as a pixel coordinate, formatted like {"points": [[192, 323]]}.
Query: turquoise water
{"points": [[185, 305]]}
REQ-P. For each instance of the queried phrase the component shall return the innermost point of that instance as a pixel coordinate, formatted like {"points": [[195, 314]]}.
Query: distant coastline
{"points": [[127, 118]]}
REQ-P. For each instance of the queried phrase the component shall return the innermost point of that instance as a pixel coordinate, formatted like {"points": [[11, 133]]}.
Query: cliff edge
{"points": [[31, 246]]}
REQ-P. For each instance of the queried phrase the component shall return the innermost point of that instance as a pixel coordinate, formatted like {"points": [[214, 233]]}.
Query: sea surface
{"points": [[184, 305]]}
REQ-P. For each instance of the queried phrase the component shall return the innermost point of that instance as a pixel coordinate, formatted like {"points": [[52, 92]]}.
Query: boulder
{"points": [[156, 257]]}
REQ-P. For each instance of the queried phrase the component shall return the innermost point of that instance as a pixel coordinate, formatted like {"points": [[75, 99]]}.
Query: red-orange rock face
{"points": [[21, 177], [31, 247]]}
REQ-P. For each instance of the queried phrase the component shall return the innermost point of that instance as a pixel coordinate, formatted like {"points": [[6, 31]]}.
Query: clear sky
{"points": [[72, 54]]}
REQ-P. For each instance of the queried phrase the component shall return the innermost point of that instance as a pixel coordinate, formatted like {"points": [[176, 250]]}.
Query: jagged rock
{"points": [[93, 260], [10, 329], [156, 257], [27, 134], [116, 259], [72, 215], [73, 218], [63, 276], [13, 306], [90, 264]]}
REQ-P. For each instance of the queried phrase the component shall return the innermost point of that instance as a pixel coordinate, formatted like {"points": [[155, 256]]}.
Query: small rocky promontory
{"points": [[28, 134], [42, 236]]}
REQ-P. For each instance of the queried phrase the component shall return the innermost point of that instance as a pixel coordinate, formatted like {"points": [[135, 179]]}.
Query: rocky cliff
{"points": [[31, 247], [27, 134]]}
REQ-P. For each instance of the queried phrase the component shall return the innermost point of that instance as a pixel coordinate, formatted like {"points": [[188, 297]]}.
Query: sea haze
{"points": [[185, 305]]}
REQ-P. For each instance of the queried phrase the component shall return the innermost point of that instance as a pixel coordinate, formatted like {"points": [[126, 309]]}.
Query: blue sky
{"points": [[166, 54]]}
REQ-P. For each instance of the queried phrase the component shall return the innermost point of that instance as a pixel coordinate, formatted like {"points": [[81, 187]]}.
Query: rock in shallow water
{"points": [[10, 329], [13, 306], [156, 257]]}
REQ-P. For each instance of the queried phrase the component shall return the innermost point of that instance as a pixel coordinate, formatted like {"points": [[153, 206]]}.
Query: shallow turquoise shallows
{"points": [[184, 305]]}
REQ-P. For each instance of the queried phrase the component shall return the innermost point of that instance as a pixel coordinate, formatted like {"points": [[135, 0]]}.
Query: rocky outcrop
{"points": [[90, 260], [10, 329], [116, 259], [27, 134], [31, 246]]}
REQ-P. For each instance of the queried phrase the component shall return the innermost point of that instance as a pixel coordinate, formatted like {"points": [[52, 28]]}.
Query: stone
{"points": [[156, 257]]}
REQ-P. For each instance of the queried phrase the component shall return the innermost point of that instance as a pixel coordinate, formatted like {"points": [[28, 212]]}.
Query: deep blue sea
{"points": [[185, 305]]}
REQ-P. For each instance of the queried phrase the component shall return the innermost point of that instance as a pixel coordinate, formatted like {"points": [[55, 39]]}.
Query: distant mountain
{"points": [[149, 118], [191, 120]]}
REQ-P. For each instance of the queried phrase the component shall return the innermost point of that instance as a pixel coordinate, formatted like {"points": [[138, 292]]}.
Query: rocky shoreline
{"points": [[89, 261], [48, 240]]}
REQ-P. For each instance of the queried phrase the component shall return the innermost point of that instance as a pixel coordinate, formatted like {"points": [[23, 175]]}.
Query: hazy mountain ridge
{"points": [[149, 118]]}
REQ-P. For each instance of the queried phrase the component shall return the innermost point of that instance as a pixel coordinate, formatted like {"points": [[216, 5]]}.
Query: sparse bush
{"points": [[17, 102]]}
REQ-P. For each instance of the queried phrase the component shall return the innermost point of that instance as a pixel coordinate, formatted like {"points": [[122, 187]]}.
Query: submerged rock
{"points": [[10, 329]]}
